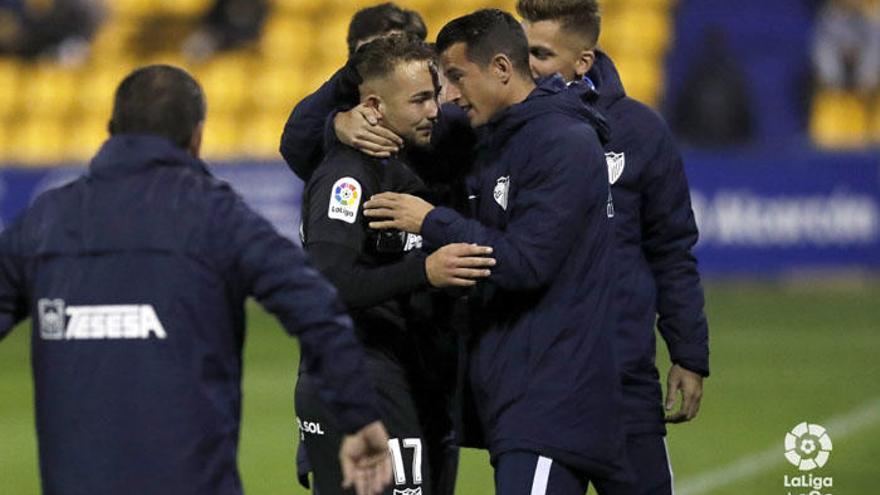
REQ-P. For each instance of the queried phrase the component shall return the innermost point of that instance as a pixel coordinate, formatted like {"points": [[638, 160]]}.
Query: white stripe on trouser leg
{"points": [[542, 476], [669, 465]]}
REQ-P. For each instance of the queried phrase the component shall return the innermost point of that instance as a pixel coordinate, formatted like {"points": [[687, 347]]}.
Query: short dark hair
{"points": [[379, 57], [381, 19], [159, 100], [579, 16], [485, 34]]}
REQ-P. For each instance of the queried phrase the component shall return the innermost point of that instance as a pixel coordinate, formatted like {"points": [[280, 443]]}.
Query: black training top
{"points": [[377, 273]]}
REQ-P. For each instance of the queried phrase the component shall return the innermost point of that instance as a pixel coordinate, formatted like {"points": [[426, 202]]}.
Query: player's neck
{"points": [[520, 89]]}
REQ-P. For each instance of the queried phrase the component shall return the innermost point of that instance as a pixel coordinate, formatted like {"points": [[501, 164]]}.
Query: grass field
{"points": [[781, 354]]}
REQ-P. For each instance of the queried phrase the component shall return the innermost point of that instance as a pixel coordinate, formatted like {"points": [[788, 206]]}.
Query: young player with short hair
{"points": [[655, 232]]}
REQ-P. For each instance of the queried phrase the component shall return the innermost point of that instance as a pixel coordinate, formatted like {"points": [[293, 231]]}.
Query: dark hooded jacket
{"points": [[655, 232], [542, 367], [135, 276]]}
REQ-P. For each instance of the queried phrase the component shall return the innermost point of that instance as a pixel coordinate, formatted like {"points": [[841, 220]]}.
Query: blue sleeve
{"points": [[302, 142], [552, 204], [669, 233], [13, 302], [278, 274]]}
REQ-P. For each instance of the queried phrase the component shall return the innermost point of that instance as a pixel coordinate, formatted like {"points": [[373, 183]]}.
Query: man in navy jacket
{"points": [[655, 232], [135, 276], [542, 370]]}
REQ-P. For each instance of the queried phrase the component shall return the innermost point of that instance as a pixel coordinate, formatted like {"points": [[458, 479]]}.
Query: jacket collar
{"points": [[125, 154]]}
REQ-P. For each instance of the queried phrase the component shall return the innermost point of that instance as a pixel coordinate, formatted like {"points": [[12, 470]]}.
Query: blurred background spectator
{"points": [[56, 29], [846, 49], [714, 105], [228, 24]]}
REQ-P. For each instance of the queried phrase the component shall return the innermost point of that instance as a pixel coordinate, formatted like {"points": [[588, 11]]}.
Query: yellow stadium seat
{"points": [[84, 137], [10, 79], [637, 30], [182, 8], [220, 141], [874, 117], [276, 88], [288, 40], [133, 8], [330, 41], [111, 45], [298, 7], [261, 135], [95, 94], [642, 77], [839, 120], [37, 141], [50, 90], [5, 144], [225, 81]]}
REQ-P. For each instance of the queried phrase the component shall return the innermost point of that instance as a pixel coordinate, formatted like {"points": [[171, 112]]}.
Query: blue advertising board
{"points": [[775, 214], [758, 215]]}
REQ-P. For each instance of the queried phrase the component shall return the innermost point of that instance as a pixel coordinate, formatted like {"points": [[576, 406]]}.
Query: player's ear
{"points": [[375, 102], [501, 67], [584, 62], [195, 142]]}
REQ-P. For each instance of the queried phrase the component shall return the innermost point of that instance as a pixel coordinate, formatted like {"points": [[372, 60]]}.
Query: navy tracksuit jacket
{"points": [[135, 276], [655, 232], [543, 368]]}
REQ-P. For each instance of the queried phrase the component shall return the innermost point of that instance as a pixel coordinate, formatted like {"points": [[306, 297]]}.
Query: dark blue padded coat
{"points": [[658, 282], [542, 369], [135, 276]]}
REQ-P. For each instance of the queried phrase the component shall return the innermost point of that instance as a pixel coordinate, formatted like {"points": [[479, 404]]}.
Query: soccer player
{"points": [[300, 149], [655, 231], [135, 276], [543, 369], [379, 273]]}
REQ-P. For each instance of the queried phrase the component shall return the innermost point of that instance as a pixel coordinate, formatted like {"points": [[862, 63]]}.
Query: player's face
{"points": [[552, 50], [410, 102], [470, 86]]}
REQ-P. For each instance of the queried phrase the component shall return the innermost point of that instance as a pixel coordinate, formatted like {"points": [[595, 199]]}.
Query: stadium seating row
{"points": [[54, 114], [845, 120]]}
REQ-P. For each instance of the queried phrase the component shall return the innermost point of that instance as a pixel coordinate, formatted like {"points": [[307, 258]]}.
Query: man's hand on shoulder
{"points": [[459, 265], [690, 386], [398, 211], [361, 129], [365, 461]]}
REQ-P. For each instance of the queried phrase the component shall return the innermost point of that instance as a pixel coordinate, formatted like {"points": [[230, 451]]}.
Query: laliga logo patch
{"points": [[345, 199], [502, 188], [616, 164]]}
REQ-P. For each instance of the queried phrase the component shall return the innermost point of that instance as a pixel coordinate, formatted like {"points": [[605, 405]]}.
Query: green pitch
{"points": [[780, 355]]}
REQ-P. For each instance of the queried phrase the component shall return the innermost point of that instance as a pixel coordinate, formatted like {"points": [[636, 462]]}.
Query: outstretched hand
{"points": [[398, 211]]}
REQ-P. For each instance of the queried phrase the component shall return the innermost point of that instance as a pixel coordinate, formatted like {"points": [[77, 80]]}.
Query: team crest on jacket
{"points": [[502, 188], [345, 199], [616, 163]]}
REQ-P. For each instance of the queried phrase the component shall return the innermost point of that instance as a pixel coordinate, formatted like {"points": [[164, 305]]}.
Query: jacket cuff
{"points": [[351, 421], [416, 273], [435, 227], [692, 358]]}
